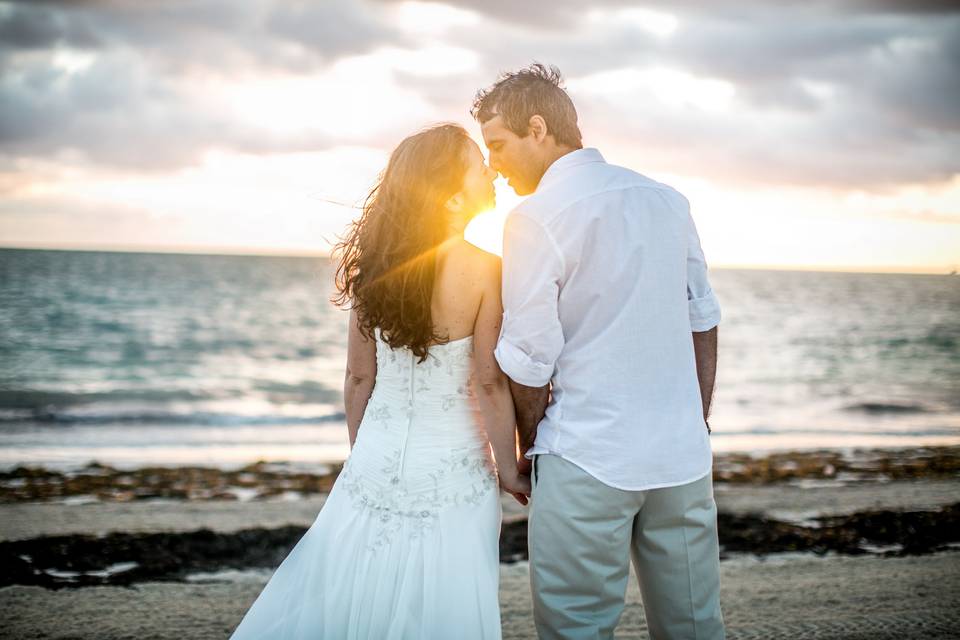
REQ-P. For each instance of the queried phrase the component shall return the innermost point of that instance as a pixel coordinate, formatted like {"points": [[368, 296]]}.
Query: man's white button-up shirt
{"points": [[603, 282]]}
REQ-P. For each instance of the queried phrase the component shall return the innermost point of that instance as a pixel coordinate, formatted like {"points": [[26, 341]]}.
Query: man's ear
{"points": [[538, 128]]}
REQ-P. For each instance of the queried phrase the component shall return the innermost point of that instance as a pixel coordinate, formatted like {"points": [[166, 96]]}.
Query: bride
{"points": [[406, 545]]}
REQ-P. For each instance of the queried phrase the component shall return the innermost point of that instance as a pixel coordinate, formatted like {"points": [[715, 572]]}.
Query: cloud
{"points": [[821, 92], [911, 6], [819, 96], [212, 35], [115, 113], [568, 12], [123, 83], [331, 29], [40, 27]]}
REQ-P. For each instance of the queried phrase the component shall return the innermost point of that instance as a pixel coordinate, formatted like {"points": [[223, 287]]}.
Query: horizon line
{"points": [[302, 253]]}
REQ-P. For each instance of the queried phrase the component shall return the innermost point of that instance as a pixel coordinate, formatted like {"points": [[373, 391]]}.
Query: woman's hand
{"points": [[515, 484]]}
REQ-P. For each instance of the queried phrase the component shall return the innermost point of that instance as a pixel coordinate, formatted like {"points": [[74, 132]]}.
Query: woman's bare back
{"points": [[463, 270]]}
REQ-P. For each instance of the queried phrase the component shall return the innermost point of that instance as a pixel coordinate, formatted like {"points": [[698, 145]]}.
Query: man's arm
{"points": [[531, 337], [531, 405], [704, 313], [705, 348]]}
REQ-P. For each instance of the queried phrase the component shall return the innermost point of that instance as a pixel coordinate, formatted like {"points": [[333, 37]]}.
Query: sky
{"points": [[813, 134]]}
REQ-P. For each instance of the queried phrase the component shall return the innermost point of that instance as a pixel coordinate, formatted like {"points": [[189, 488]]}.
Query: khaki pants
{"points": [[582, 534]]}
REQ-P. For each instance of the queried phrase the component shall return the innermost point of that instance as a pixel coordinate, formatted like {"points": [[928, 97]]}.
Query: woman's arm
{"points": [[492, 388], [360, 375]]}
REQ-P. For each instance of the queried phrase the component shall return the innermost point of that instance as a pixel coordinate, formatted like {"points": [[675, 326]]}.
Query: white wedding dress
{"points": [[406, 545]]}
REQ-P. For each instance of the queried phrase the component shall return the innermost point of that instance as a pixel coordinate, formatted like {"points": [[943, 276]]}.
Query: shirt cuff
{"points": [[520, 367], [704, 312]]}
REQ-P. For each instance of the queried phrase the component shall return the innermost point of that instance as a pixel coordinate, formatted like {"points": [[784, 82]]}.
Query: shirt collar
{"points": [[563, 163]]}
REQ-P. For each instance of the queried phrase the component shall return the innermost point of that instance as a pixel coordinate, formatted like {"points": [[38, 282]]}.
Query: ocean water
{"points": [[135, 358]]}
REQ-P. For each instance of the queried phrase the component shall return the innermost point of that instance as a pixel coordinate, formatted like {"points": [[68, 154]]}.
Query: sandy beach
{"points": [[803, 597], [882, 556]]}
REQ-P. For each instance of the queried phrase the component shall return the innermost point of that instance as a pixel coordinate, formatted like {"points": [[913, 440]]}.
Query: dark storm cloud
{"points": [[765, 57], [912, 6], [332, 29], [39, 27]]}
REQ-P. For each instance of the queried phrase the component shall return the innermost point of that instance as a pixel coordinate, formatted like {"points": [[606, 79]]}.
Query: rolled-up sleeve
{"points": [[531, 337], [703, 303]]}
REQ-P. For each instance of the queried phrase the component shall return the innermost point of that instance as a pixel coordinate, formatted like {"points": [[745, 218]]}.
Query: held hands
{"points": [[516, 483]]}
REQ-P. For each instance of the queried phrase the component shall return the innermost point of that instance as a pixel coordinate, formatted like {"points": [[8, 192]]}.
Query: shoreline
{"points": [[308, 448], [263, 480]]}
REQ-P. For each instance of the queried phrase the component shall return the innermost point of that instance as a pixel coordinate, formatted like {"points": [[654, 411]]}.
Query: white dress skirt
{"points": [[407, 543]]}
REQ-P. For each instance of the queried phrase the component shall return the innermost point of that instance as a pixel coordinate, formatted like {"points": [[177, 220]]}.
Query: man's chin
{"points": [[519, 189]]}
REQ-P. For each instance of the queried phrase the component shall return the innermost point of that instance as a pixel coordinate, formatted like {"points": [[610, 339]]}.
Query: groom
{"points": [[605, 296]]}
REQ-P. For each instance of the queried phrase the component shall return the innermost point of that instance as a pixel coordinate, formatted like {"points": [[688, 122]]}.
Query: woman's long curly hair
{"points": [[387, 262]]}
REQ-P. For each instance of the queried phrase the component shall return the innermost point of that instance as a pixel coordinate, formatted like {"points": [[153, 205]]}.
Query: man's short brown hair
{"points": [[517, 96]]}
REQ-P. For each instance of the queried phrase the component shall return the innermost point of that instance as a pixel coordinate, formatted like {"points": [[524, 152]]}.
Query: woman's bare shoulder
{"points": [[468, 276], [482, 262]]}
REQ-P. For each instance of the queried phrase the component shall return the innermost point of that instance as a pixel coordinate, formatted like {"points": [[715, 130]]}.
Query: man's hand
{"points": [[524, 466], [530, 404]]}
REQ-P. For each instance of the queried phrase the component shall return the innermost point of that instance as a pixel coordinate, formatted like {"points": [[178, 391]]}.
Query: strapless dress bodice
{"points": [[421, 446]]}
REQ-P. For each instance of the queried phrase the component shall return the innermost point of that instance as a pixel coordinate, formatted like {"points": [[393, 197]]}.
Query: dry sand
{"points": [[796, 597]]}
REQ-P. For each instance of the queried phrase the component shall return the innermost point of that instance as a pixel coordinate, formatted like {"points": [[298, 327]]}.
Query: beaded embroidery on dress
{"points": [[407, 543]]}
